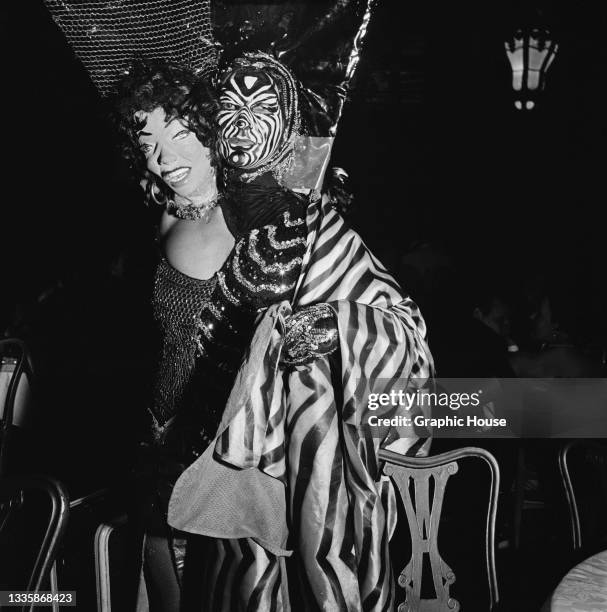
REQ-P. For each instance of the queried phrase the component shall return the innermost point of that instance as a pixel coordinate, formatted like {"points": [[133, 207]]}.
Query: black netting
{"points": [[107, 36]]}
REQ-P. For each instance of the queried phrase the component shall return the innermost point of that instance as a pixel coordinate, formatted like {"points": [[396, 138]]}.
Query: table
{"points": [[584, 588]]}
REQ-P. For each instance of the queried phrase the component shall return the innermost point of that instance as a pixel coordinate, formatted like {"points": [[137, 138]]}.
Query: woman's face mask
{"points": [[251, 121], [174, 154]]}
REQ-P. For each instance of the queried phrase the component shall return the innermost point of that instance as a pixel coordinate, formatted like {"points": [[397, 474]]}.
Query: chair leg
{"points": [[54, 586]]}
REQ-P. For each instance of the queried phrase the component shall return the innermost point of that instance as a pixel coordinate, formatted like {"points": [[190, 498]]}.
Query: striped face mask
{"points": [[251, 120]]}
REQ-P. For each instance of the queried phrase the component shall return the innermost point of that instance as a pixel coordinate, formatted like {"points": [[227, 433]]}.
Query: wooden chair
{"points": [[15, 500], [414, 478], [583, 468]]}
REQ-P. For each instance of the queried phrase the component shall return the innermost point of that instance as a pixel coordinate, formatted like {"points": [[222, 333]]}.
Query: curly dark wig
{"points": [[151, 84]]}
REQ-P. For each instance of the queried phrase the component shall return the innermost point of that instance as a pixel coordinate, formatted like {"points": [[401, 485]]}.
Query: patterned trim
{"points": [[267, 268], [287, 220], [256, 287], [282, 244], [221, 279], [212, 308]]}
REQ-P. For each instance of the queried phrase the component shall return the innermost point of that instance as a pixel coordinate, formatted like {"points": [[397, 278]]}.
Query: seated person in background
{"points": [[557, 344]]}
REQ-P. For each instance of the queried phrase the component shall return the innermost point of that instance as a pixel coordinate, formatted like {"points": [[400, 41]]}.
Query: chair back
{"points": [[422, 483], [19, 502], [583, 468], [15, 394]]}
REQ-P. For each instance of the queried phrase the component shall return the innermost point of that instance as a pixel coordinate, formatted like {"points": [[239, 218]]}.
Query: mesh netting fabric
{"points": [[107, 36], [177, 301]]}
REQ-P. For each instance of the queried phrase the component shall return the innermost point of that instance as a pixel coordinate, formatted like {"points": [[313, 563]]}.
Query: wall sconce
{"points": [[530, 52]]}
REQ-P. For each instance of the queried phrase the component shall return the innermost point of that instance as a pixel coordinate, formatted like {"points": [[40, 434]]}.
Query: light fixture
{"points": [[530, 52]]}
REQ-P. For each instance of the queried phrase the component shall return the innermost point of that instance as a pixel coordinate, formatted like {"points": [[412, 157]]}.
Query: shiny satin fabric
{"points": [[339, 510], [311, 158]]}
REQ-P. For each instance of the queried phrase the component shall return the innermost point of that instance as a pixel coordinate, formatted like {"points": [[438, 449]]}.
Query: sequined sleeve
{"points": [[262, 269]]}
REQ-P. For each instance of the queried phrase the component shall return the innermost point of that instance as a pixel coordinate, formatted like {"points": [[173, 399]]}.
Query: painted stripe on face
{"points": [[251, 124]]}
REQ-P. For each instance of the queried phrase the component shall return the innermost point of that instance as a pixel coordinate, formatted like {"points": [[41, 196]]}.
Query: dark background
{"points": [[436, 152], [431, 139], [434, 147]]}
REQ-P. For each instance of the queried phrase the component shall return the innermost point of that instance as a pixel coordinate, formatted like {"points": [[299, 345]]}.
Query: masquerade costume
{"points": [[292, 472], [294, 331], [259, 116], [309, 485]]}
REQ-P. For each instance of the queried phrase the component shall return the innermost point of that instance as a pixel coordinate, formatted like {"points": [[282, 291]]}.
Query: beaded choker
{"points": [[185, 209]]}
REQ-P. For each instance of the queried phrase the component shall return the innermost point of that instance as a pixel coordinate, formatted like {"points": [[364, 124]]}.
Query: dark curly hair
{"points": [[152, 84]]}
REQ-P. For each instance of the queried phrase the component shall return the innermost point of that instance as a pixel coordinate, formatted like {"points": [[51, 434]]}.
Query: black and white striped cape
{"points": [[305, 429]]}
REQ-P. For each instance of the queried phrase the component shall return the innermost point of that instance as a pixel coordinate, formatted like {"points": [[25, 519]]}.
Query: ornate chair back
{"points": [[422, 483], [583, 468]]}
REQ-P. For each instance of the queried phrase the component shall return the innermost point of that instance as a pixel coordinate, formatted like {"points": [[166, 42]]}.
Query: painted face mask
{"points": [[258, 114]]}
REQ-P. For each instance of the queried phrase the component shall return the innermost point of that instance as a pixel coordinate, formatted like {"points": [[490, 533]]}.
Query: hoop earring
{"points": [[153, 192]]}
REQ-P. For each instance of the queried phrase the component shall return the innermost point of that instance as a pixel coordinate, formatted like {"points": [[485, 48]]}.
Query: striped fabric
{"points": [[337, 515], [382, 346], [242, 571], [304, 427]]}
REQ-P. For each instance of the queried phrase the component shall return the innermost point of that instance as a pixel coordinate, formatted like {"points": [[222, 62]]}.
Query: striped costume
{"points": [[308, 480]]}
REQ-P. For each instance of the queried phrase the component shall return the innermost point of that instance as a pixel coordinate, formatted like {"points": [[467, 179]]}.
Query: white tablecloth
{"points": [[584, 588]]}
